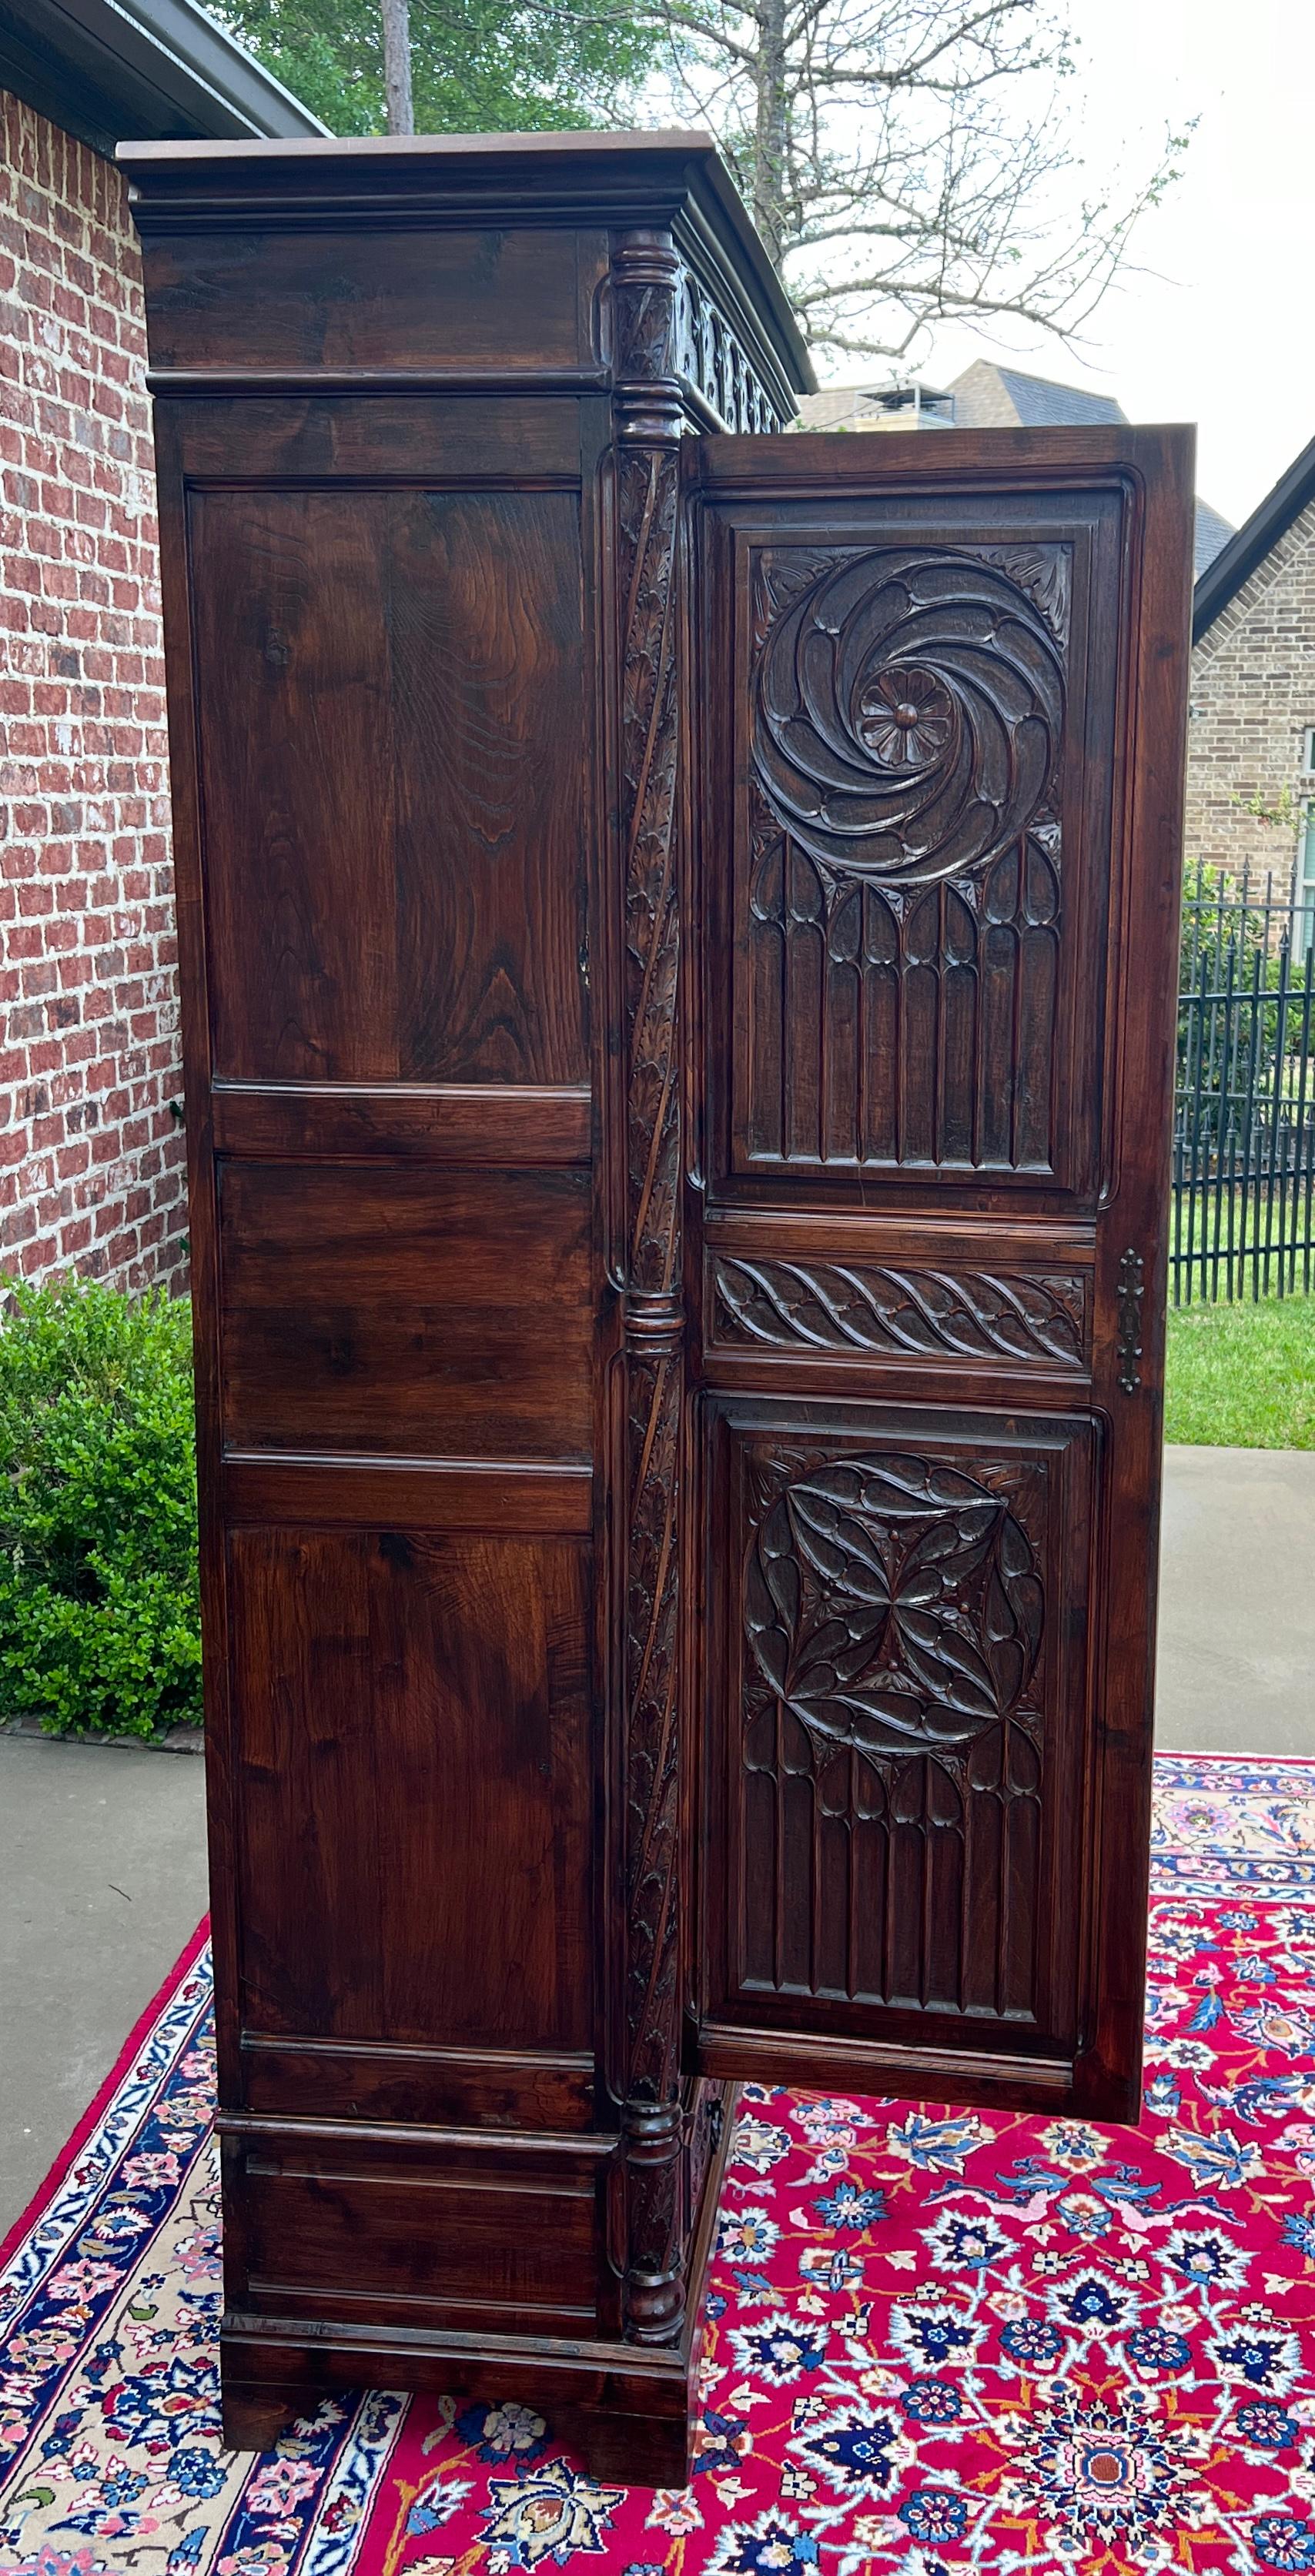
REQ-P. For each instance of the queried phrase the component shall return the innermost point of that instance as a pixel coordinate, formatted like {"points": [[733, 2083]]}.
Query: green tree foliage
{"points": [[99, 1606], [478, 66]]}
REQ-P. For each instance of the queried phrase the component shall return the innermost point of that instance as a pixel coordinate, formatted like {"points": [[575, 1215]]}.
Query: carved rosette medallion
{"points": [[892, 1604], [908, 710]]}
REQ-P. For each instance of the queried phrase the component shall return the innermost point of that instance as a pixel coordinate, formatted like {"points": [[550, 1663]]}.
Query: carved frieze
{"points": [[711, 357], [1028, 1315], [669, 331]]}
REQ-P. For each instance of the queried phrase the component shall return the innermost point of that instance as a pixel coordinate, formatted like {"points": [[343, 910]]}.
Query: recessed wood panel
{"points": [[374, 2080], [899, 1722], [920, 722], [375, 438], [347, 2232], [391, 712], [406, 1312], [347, 298], [413, 1737]]}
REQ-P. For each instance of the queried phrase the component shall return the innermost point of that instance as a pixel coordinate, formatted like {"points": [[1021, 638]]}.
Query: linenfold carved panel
{"points": [[1031, 1315], [896, 1646], [904, 892]]}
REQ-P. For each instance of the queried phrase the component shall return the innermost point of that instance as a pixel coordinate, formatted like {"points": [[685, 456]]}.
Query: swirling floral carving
{"points": [[892, 1604], [907, 714]]}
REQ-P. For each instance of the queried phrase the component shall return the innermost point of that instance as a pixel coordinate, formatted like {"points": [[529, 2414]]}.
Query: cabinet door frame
{"points": [[1115, 1224]]}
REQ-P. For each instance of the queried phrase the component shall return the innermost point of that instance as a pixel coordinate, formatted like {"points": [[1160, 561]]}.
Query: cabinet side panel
{"points": [[413, 1312], [391, 692], [412, 1724]]}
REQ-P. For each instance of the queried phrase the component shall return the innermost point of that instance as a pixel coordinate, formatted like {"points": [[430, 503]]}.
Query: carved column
{"points": [[647, 424]]}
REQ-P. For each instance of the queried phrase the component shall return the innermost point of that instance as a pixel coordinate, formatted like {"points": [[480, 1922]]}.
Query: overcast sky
{"points": [[1218, 325]]}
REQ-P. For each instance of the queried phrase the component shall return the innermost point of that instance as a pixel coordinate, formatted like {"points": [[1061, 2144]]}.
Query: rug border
{"points": [[104, 2095], [1258, 1761]]}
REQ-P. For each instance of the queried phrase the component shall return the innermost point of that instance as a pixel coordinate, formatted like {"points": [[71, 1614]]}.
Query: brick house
{"points": [[91, 1151], [1251, 738]]}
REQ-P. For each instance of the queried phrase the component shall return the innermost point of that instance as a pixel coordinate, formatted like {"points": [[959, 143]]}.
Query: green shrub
{"points": [[99, 1610]]}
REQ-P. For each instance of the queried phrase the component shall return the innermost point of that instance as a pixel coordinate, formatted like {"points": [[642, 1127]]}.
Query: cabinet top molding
{"points": [[672, 180]]}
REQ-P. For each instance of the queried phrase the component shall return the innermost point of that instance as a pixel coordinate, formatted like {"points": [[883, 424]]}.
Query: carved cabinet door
{"points": [[938, 690]]}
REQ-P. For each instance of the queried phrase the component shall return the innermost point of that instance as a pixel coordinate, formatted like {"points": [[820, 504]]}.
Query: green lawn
{"points": [[1242, 1376]]}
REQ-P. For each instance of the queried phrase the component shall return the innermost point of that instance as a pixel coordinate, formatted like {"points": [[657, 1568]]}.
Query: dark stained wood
{"points": [[898, 1737], [415, 2222], [394, 756], [533, 440], [405, 1708], [270, 1487], [474, 1122], [924, 753], [676, 936], [423, 1312], [327, 299], [507, 2089]]}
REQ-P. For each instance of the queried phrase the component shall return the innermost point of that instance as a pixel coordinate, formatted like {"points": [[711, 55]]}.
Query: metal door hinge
{"points": [[1128, 1343]]}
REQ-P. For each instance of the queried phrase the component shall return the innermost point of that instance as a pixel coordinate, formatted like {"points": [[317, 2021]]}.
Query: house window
{"points": [[1308, 751], [1305, 922]]}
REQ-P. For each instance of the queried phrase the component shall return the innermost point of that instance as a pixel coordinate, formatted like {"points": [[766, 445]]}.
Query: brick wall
{"points": [[1253, 698], [91, 1154]]}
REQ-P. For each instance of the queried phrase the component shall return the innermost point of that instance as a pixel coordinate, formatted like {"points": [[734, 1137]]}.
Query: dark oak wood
{"points": [[391, 717], [676, 934], [938, 743]]}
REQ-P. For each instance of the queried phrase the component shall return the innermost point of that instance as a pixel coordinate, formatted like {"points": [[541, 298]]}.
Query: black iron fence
{"points": [[1244, 1100]]}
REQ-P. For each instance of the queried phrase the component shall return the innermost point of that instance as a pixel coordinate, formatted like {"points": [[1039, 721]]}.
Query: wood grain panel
{"points": [[270, 1488], [472, 1122], [375, 2080], [424, 439], [342, 298], [406, 1708], [343, 2232], [433, 1313], [392, 733]]}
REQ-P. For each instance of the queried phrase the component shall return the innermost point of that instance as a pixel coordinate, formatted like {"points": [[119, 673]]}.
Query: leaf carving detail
{"points": [[893, 1604], [832, 1306]]}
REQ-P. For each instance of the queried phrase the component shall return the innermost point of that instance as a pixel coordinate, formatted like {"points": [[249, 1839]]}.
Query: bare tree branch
{"points": [[907, 161]]}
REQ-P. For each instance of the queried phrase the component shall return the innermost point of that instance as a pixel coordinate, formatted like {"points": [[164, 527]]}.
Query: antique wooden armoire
{"points": [[678, 931]]}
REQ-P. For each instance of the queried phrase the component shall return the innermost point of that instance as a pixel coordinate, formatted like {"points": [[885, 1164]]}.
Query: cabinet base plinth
{"points": [[625, 2407]]}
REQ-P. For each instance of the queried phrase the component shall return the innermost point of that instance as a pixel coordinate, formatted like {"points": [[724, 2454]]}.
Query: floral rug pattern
{"points": [[939, 2341]]}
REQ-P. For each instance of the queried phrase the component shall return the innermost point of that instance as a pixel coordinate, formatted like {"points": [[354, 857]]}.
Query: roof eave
{"points": [[1257, 536], [105, 68]]}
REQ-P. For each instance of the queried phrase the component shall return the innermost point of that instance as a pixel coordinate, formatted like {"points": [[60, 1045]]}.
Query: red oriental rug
{"points": [[939, 2341]]}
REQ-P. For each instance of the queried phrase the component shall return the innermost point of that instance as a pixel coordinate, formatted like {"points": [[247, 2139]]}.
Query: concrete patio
{"points": [[102, 1848]]}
